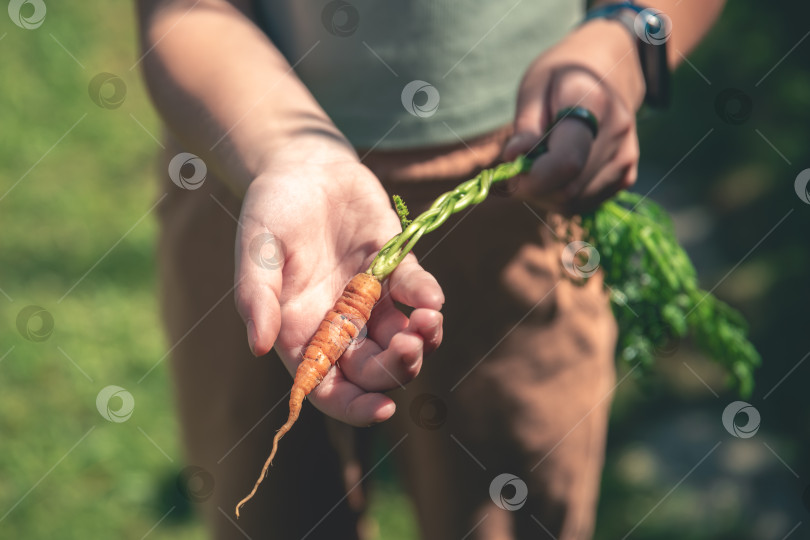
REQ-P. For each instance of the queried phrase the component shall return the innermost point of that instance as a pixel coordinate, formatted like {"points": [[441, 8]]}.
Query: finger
{"points": [[367, 409], [413, 286], [620, 173], [339, 398], [259, 260], [387, 321], [569, 143], [428, 324], [529, 120], [521, 143], [375, 367], [376, 370], [619, 178], [600, 162], [617, 143]]}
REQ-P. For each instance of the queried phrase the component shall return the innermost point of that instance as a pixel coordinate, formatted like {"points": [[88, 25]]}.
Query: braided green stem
{"points": [[471, 192]]}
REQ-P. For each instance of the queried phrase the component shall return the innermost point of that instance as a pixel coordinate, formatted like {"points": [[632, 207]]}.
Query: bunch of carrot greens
{"points": [[653, 286], [655, 293]]}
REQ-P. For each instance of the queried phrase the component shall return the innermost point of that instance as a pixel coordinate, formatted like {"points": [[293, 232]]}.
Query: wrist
{"points": [[326, 163], [610, 43], [651, 29], [312, 147]]}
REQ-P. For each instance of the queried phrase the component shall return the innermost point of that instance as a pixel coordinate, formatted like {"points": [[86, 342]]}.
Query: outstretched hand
{"points": [[307, 228]]}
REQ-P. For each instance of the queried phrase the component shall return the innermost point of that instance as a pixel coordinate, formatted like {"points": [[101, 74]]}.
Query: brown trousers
{"points": [[522, 383]]}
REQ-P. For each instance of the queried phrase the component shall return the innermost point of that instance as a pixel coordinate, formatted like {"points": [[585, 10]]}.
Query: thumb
{"points": [[259, 260], [519, 143]]}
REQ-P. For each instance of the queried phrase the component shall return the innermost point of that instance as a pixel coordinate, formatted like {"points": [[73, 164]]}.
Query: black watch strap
{"points": [[651, 29]]}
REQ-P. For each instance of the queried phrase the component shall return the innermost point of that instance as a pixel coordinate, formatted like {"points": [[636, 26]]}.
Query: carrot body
{"points": [[337, 330]]}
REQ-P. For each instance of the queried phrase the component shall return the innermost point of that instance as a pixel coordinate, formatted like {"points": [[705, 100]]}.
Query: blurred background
{"points": [[78, 142]]}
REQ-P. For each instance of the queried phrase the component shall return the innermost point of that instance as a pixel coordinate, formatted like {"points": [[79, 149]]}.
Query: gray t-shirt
{"points": [[396, 74]]}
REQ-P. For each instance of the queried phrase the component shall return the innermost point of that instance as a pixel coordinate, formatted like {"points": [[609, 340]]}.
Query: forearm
{"points": [[226, 92], [691, 20]]}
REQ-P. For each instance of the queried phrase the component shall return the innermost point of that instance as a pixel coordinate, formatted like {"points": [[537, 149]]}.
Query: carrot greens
{"points": [[655, 292]]}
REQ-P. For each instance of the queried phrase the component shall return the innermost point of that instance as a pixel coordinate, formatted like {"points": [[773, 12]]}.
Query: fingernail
{"points": [[251, 335], [517, 139], [386, 412], [507, 149], [434, 337], [413, 365]]}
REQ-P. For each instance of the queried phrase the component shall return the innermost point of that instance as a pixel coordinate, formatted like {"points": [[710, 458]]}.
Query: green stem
{"points": [[468, 193]]}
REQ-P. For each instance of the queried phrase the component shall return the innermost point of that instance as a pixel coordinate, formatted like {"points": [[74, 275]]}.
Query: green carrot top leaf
{"points": [[402, 211]]}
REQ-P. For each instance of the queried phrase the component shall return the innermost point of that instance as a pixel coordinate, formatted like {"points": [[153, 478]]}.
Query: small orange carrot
{"points": [[337, 330]]}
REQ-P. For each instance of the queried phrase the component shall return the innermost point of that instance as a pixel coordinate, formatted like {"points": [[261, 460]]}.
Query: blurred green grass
{"points": [[76, 179]]}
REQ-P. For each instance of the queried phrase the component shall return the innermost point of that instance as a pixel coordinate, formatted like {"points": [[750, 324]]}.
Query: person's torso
{"points": [[415, 73]]}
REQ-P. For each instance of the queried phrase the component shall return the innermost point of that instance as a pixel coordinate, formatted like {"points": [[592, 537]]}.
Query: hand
{"points": [[597, 67], [328, 219]]}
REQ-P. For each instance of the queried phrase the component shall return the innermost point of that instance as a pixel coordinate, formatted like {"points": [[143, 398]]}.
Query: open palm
{"points": [[306, 229]]}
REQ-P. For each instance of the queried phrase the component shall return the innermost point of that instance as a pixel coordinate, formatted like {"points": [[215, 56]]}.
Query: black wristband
{"points": [[651, 28]]}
